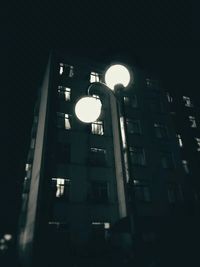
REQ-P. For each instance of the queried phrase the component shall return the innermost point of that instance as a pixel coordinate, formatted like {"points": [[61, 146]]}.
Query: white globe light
{"points": [[88, 109], [117, 74]]}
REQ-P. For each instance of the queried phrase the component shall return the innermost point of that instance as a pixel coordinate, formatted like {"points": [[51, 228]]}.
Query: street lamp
{"points": [[88, 109]]}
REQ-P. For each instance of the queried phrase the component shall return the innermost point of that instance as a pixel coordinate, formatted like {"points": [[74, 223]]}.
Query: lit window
{"points": [[96, 96], [65, 69], [185, 166], [169, 97], [133, 126], [67, 122], [97, 128], [61, 187], [98, 192], [64, 93], [192, 122], [97, 156], [167, 161], [137, 155], [28, 167], [63, 121], [106, 225], [94, 77], [142, 191], [187, 101], [198, 143], [179, 140], [175, 193], [160, 130], [131, 101]]}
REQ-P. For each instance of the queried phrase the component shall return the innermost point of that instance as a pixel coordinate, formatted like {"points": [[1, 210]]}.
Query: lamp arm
{"points": [[100, 87]]}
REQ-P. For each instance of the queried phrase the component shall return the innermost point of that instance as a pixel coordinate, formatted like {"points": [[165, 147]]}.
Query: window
{"points": [[131, 101], [187, 101], [133, 126], [156, 104], [58, 226], [137, 155], [169, 97], [67, 70], [98, 192], [97, 128], [167, 161], [28, 167], [63, 121], [61, 188], [192, 122], [97, 156], [179, 140], [142, 191], [151, 83], [160, 130], [62, 152], [64, 93], [198, 143], [100, 231], [94, 77], [185, 166], [174, 193], [96, 96]]}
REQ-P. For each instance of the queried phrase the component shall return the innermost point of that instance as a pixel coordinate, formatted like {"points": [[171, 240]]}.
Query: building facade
{"points": [[76, 202]]}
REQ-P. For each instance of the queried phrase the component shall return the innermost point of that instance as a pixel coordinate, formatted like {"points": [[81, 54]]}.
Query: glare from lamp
{"points": [[88, 109], [117, 74]]}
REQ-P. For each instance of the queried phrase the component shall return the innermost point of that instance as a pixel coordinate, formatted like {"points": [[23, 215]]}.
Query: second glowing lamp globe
{"points": [[88, 109]]}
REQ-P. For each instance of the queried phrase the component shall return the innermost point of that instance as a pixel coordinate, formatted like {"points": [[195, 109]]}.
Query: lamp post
{"points": [[88, 110]]}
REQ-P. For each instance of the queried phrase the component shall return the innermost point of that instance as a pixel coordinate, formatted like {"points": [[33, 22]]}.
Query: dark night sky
{"points": [[158, 37]]}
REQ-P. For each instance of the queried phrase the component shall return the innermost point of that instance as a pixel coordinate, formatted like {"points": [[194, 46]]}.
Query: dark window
{"points": [[97, 156], [167, 160], [150, 83], [98, 192], [62, 153], [63, 121], [97, 128], [174, 193], [156, 104], [142, 191], [160, 130], [133, 126], [137, 155], [100, 231], [185, 166], [61, 188], [131, 101]]}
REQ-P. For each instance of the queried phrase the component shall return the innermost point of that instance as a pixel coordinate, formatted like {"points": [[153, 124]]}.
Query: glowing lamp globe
{"points": [[88, 109], [117, 74]]}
